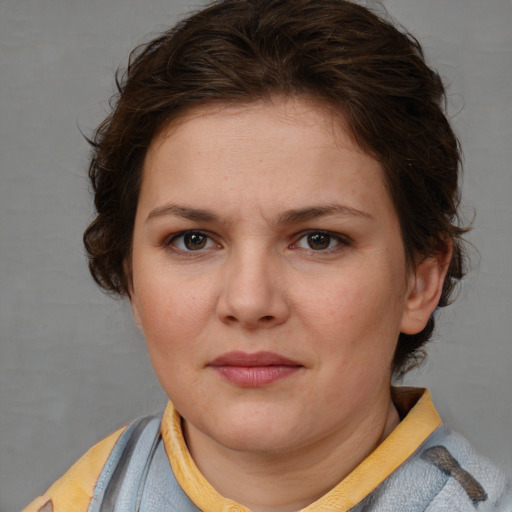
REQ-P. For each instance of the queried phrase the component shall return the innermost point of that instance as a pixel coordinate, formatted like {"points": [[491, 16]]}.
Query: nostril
{"points": [[267, 318]]}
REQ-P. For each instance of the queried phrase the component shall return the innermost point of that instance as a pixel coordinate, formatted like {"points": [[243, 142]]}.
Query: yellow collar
{"points": [[421, 419]]}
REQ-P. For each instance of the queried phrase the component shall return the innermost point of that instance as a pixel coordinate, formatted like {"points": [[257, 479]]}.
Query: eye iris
{"points": [[319, 241], [194, 241]]}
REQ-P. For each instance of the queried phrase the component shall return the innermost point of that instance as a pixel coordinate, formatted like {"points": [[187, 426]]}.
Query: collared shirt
{"points": [[381, 472]]}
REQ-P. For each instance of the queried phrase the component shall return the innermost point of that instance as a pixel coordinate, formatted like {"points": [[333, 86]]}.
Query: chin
{"points": [[255, 432], [260, 441]]}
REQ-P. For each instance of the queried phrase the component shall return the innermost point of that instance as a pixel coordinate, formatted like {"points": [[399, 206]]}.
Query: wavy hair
{"points": [[237, 51]]}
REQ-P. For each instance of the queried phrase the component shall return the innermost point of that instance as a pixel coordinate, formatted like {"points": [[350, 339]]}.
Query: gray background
{"points": [[72, 366]]}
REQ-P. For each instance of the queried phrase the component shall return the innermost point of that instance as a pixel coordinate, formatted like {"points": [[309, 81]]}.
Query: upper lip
{"points": [[237, 358]]}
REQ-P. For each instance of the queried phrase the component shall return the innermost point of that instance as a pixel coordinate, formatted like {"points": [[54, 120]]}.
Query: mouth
{"points": [[254, 370]]}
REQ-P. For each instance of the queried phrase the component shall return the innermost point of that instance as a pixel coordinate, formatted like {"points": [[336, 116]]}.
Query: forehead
{"points": [[306, 115], [210, 119], [245, 152], [305, 111]]}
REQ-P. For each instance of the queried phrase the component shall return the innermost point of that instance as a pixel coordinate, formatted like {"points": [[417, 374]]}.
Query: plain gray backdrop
{"points": [[72, 365]]}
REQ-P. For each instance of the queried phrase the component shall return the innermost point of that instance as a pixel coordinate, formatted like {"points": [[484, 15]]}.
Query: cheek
{"points": [[339, 299], [356, 310], [172, 312]]}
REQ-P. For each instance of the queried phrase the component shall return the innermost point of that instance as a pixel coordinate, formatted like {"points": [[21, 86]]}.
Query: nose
{"points": [[253, 291]]}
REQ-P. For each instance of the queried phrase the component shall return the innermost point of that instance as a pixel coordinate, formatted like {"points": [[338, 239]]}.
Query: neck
{"points": [[287, 482]]}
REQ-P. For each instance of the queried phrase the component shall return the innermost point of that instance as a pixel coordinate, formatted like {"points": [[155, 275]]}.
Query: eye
{"points": [[320, 241], [192, 241]]}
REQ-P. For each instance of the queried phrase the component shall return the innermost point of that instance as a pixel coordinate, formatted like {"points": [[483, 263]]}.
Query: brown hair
{"points": [[245, 50]]}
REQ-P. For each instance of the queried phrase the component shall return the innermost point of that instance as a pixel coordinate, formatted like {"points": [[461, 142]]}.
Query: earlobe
{"points": [[425, 290]]}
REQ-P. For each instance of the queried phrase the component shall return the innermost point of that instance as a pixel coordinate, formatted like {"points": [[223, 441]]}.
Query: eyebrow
{"points": [[315, 212], [184, 212], [288, 217]]}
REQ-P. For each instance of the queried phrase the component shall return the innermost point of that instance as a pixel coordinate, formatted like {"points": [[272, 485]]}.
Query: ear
{"points": [[425, 288], [127, 268]]}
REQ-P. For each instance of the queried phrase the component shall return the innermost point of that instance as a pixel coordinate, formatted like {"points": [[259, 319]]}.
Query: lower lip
{"points": [[255, 376]]}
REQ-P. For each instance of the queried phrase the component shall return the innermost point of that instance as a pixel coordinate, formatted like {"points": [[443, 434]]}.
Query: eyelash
{"points": [[209, 243], [341, 241], [191, 233]]}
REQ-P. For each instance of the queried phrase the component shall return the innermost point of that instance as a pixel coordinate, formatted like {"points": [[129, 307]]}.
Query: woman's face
{"points": [[268, 275]]}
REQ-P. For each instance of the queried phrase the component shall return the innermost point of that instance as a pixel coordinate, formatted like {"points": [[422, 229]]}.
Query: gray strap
{"points": [[157, 439], [114, 485], [443, 459]]}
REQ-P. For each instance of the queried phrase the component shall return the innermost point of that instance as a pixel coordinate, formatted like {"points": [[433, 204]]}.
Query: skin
{"points": [[260, 185]]}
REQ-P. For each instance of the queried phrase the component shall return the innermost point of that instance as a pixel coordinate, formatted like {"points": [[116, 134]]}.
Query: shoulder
{"points": [[471, 479], [74, 491], [445, 474]]}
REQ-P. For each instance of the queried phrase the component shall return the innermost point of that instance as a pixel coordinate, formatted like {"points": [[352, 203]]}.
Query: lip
{"points": [[254, 370]]}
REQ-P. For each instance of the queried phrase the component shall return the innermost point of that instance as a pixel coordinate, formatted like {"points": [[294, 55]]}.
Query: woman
{"points": [[276, 193]]}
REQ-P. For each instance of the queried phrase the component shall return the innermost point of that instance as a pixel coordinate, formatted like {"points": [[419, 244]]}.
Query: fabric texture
{"points": [[426, 483], [421, 466], [73, 492]]}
